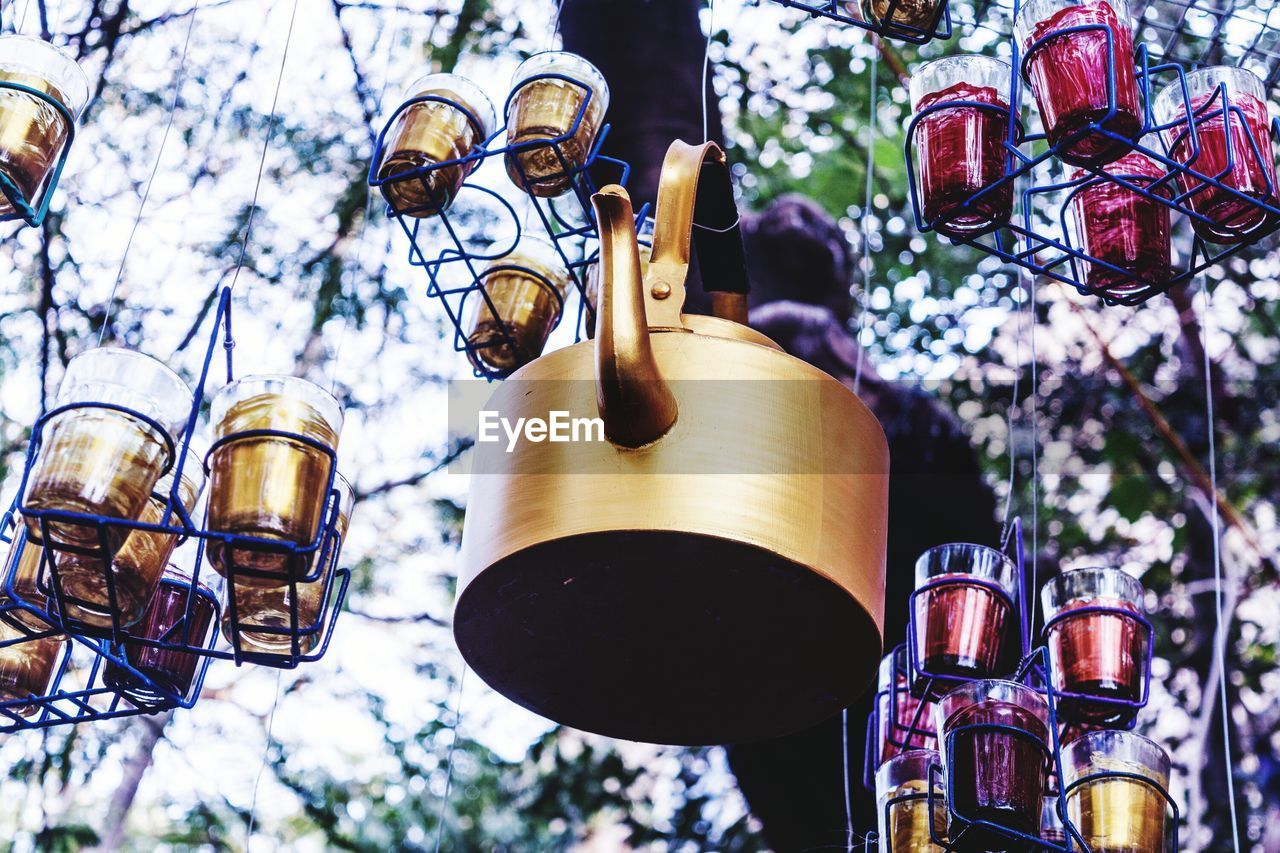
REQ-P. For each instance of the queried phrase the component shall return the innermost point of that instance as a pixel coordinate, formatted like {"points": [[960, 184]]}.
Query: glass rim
{"points": [[170, 409], [1128, 588], [182, 576], [329, 406], [999, 568], [995, 65], [542, 60], [1144, 757], [1243, 80], [906, 757], [538, 253], [478, 104], [972, 692], [1023, 22], [71, 74]]}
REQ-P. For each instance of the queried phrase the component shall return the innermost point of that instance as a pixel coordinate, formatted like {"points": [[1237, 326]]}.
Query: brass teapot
{"points": [[712, 569]]}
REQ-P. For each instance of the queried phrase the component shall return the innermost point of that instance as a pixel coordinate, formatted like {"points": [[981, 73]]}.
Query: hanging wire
{"points": [[179, 79], [1222, 624], [555, 24], [848, 795], [1034, 391], [266, 757], [370, 197], [866, 214], [453, 745], [706, 65], [1013, 402], [266, 146]]}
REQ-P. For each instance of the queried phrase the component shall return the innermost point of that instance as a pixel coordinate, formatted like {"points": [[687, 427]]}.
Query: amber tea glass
{"points": [[1093, 652], [32, 131], [915, 17], [271, 487], [961, 622], [27, 667], [545, 109], [102, 461], [23, 565], [1117, 814], [173, 671], [432, 132], [904, 825], [258, 607], [138, 565], [527, 303]]}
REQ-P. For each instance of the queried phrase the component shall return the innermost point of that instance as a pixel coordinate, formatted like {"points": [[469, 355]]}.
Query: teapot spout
{"points": [[634, 401]]}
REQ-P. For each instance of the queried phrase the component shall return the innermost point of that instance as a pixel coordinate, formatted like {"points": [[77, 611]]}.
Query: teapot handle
{"points": [[696, 210]]}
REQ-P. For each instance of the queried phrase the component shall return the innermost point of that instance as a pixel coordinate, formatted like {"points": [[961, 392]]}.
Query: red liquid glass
{"points": [[173, 671], [896, 732], [997, 775], [960, 627], [961, 151], [1069, 75], [1124, 229], [1230, 159], [1101, 654]]}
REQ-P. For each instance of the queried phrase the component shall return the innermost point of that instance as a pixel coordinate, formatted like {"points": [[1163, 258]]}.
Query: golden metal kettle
{"points": [[712, 572]]}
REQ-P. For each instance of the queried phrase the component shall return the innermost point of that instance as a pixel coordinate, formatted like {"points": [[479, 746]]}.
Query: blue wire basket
{"points": [[1037, 236], [444, 247], [115, 685], [33, 211], [938, 26]]}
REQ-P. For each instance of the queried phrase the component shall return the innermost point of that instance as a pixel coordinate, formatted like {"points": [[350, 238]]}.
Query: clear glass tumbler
{"points": [[1096, 653], [270, 607], [270, 486], [960, 621], [433, 132], [1233, 149], [102, 461], [172, 670], [27, 667], [527, 289], [905, 823], [547, 108], [1071, 75], [138, 565], [32, 131], [960, 149], [1117, 814], [995, 774], [1124, 228]]}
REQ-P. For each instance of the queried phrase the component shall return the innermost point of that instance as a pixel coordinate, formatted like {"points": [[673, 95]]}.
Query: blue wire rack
{"points": [[1032, 667], [568, 222], [33, 211], [1037, 237], [937, 27], [115, 687]]}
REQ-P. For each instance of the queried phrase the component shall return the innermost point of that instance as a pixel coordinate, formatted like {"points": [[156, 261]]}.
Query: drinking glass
{"points": [[905, 824], [961, 620], [32, 131], [138, 565], [270, 607], [1117, 814], [102, 461], [432, 132], [961, 149], [1234, 151], [1124, 228], [173, 671], [1070, 74], [527, 288], [995, 774], [543, 109], [270, 486], [1093, 652]]}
